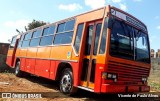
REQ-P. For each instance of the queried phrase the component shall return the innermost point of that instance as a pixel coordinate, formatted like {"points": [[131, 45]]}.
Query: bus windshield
{"points": [[129, 42]]}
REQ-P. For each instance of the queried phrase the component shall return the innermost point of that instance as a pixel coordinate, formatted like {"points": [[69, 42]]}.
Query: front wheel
{"points": [[66, 82]]}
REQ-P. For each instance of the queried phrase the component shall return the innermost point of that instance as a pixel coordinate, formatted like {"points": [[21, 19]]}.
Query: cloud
{"points": [[70, 7], [19, 24], [156, 17], [8, 28], [121, 3], [6, 36], [158, 27], [116, 1], [95, 3], [123, 6], [137, 0]]}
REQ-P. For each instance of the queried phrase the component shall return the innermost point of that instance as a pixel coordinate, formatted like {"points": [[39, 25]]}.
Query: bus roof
{"points": [[73, 17]]}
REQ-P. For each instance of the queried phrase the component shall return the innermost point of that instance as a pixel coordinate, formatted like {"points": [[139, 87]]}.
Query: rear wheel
{"points": [[66, 82], [18, 72]]}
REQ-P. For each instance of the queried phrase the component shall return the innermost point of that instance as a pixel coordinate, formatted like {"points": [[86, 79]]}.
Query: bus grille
{"points": [[127, 72]]}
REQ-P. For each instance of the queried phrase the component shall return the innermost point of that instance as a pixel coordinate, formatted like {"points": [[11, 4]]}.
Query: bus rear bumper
{"points": [[106, 88]]}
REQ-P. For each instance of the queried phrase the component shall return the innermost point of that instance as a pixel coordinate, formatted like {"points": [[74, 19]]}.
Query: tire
{"points": [[66, 83], [18, 72]]}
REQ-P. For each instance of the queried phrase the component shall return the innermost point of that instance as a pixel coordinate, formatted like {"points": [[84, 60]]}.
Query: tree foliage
{"points": [[34, 24]]}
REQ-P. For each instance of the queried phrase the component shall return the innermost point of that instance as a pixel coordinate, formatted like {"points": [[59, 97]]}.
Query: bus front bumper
{"points": [[106, 88]]}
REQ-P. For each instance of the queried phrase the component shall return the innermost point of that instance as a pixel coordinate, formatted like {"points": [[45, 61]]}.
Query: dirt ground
{"points": [[49, 90]]}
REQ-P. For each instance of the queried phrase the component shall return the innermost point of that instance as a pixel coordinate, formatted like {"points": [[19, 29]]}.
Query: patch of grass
{"points": [[9, 74], [155, 85]]}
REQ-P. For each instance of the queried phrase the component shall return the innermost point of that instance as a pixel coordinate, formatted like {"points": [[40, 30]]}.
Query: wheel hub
{"points": [[66, 83]]}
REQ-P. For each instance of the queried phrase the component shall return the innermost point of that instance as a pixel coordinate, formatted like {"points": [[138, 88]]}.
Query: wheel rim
{"points": [[66, 83]]}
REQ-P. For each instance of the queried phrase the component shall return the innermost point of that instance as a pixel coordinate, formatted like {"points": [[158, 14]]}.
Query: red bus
{"points": [[103, 51]]}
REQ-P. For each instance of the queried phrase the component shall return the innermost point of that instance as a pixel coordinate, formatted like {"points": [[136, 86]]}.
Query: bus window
{"points": [[142, 48], [89, 40], [98, 30], [46, 40], [64, 38], [48, 30], [28, 36], [20, 41], [20, 44], [78, 37], [60, 27], [69, 25], [36, 33], [51, 30], [34, 42], [103, 39], [13, 42], [45, 31], [121, 40], [22, 37], [25, 43]]}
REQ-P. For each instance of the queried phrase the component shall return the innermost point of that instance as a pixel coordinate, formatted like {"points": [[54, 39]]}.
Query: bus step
{"points": [[85, 88]]}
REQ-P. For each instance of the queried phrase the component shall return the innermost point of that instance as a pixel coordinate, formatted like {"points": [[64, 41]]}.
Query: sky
{"points": [[15, 14]]}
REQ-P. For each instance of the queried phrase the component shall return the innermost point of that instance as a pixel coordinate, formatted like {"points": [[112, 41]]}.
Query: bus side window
{"points": [[63, 38], [36, 34], [28, 36], [48, 30], [47, 36], [61, 27], [27, 39], [34, 42], [20, 41], [64, 32], [35, 38], [46, 40], [69, 25], [78, 37], [13, 42]]}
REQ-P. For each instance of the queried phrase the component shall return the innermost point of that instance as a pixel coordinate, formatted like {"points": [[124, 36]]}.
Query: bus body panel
{"points": [[98, 77], [22, 64], [10, 57], [52, 70], [32, 52], [23, 52], [61, 52], [44, 61], [30, 65], [91, 16], [42, 68], [43, 52]]}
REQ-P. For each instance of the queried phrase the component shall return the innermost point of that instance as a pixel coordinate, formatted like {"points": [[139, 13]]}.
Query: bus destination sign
{"points": [[128, 19]]}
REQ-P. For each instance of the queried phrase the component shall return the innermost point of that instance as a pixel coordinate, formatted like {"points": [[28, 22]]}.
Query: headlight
{"points": [[112, 76]]}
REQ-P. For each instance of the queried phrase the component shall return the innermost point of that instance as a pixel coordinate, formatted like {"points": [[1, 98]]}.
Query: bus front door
{"points": [[92, 33]]}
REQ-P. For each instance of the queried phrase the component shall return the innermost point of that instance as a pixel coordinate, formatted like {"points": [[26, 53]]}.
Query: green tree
{"points": [[35, 24], [32, 25]]}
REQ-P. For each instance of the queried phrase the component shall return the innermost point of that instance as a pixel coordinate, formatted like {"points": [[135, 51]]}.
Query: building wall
{"points": [[158, 53], [152, 53], [3, 54]]}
